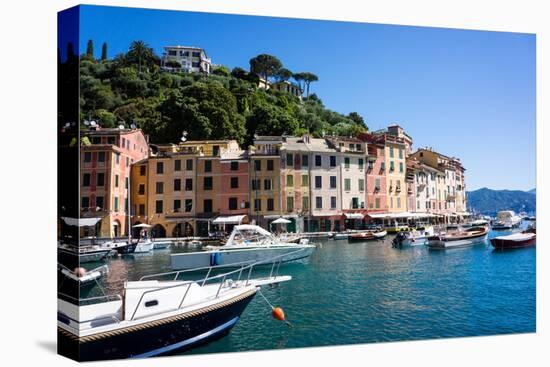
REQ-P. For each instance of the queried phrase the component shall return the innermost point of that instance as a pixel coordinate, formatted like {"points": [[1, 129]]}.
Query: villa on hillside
{"points": [[185, 58]]}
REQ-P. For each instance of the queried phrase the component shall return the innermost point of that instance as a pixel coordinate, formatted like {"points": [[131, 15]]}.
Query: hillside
{"points": [[487, 201], [226, 104]]}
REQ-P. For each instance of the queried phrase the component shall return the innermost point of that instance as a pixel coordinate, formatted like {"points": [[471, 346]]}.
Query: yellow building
{"points": [[265, 180]]}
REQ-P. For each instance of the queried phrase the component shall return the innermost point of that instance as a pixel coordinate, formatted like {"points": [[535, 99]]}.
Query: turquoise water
{"points": [[369, 292]]}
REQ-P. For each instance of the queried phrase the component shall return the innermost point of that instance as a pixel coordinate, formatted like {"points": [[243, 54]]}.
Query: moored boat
{"points": [[155, 316], [79, 279], [514, 240], [161, 244], [460, 238], [367, 236], [247, 244], [417, 237], [78, 255], [143, 246]]}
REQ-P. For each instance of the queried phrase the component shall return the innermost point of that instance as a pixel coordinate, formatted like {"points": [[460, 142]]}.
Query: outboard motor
{"points": [[398, 240]]}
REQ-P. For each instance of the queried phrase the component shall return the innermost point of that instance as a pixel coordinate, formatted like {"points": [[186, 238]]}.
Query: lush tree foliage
{"points": [[131, 88]]}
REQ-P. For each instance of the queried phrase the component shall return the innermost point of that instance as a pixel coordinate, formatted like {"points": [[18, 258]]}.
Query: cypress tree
{"points": [[90, 49], [104, 51]]}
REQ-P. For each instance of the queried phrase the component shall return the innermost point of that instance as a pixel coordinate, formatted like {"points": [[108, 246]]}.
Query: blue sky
{"points": [[469, 94]]}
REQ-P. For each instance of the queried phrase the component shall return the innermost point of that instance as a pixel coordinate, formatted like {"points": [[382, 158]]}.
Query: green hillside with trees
{"points": [[227, 104]]}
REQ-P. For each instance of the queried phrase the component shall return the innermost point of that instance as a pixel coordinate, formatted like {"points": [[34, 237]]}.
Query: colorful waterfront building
{"points": [[163, 191], [375, 174], [352, 155], [105, 161], [295, 182], [234, 193], [265, 180]]}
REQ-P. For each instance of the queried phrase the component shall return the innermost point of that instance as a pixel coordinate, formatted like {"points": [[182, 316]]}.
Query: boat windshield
{"points": [[248, 234]]}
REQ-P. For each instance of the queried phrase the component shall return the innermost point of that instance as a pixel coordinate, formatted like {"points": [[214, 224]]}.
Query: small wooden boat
{"points": [[417, 237], [367, 236], [523, 239], [340, 236], [456, 239]]}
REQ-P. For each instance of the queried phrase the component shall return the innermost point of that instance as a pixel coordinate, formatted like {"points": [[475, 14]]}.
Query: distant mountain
{"points": [[488, 202], [533, 191]]}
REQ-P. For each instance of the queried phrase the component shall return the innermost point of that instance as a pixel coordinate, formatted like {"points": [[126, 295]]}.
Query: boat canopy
{"points": [[233, 219], [281, 221], [81, 222], [248, 231], [354, 215]]}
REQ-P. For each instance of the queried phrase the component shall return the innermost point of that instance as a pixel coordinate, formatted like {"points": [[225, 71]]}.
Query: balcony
{"points": [[390, 189], [398, 189], [376, 189]]}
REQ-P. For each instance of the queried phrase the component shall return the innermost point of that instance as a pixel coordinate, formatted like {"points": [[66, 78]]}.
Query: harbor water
{"points": [[348, 293]]}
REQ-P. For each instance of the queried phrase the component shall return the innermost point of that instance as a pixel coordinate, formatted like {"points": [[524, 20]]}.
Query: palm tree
{"points": [[140, 52]]}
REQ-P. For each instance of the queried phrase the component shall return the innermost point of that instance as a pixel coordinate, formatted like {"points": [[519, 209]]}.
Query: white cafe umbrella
{"points": [[142, 225], [281, 221]]}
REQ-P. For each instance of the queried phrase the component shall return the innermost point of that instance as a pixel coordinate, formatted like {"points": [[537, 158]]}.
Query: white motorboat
{"points": [[460, 238], [247, 244], [340, 236], [506, 219], [418, 237], [143, 246], [75, 281], [155, 316], [161, 244]]}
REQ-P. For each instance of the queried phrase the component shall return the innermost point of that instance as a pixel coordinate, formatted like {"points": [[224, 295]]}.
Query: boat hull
{"points": [[440, 244], [500, 244], [367, 237], [69, 257], [160, 245], [229, 258], [162, 337]]}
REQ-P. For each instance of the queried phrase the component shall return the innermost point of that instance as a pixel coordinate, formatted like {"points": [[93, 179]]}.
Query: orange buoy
{"points": [[278, 314]]}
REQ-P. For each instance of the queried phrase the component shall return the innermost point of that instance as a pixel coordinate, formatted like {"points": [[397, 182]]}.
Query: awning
{"points": [[463, 214], [81, 222], [233, 219], [272, 216], [354, 215], [281, 221], [142, 225], [400, 215]]}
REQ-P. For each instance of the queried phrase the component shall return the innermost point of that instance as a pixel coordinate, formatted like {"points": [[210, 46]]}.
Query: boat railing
{"points": [[274, 273]]}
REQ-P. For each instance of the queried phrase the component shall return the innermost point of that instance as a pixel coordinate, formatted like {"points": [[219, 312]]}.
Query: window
{"points": [[207, 205], [257, 205], [400, 153], [116, 180], [270, 164], [268, 184], [289, 180], [418, 204], [116, 204], [355, 203], [141, 189], [86, 180], [87, 157], [361, 184], [332, 182], [391, 202], [347, 184], [255, 183], [318, 182], [382, 166], [392, 167], [188, 205], [398, 202], [117, 158], [305, 180], [177, 205], [142, 170], [318, 161], [85, 202], [177, 165], [318, 202], [99, 201], [160, 168], [401, 167], [333, 202], [101, 157], [361, 163], [207, 166], [346, 162], [305, 161], [233, 204], [358, 146], [101, 179], [215, 150], [305, 203], [333, 161], [111, 140], [207, 183], [234, 166], [377, 203], [158, 207], [257, 165], [234, 182], [141, 209], [391, 152], [126, 183], [177, 184], [270, 205], [289, 160], [377, 184], [290, 203], [188, 184], [127, 161], [160, 188], [189, 164]]}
